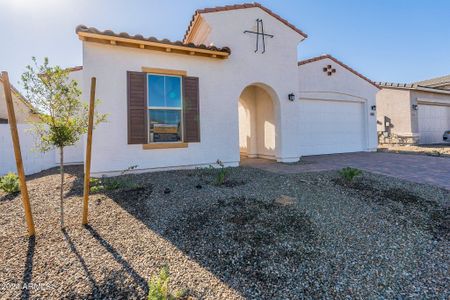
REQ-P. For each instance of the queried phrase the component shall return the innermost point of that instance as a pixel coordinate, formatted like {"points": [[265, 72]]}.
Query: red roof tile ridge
{"points": [[83, 28], [74, 69]]}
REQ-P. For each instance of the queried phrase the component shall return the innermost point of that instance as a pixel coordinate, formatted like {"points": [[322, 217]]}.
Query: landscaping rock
{"points": [[377, 237], [284, 200]]}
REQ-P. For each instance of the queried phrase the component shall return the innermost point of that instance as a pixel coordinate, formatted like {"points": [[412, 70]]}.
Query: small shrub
{"points": [[159, 287], [10, 183], [349, 173], [221, 174], [114, 183]]}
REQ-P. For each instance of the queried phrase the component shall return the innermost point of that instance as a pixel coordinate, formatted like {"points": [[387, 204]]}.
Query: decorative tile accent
{"points": [[329, 70]]}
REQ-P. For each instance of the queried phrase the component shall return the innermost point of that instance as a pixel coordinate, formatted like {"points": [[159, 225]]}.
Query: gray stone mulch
{"points": [[259, 236]]}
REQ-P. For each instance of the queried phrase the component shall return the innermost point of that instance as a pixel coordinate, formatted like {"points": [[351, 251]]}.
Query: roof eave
{"points": [[149, 45], [413, 87]]}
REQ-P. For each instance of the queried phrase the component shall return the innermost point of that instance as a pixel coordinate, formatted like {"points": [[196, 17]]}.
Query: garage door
{"points": [[331, 127], [433, 121]]}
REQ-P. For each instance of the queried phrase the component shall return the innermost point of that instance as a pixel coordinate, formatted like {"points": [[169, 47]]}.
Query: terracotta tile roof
{"points": [[307, 61], [20, 96], [240, 6], [435, 82], [397, 85], [413, 86], [139, 37]]}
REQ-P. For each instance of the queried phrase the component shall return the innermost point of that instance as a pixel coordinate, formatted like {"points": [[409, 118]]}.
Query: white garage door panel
{"points": [[433, 121], [331, 127]]}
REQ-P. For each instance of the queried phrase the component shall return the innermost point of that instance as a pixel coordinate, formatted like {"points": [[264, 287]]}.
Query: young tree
{"points": [[63, 117]]}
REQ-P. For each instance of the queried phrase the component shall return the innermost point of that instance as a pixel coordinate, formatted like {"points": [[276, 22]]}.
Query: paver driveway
{"points": [[416, 168]]}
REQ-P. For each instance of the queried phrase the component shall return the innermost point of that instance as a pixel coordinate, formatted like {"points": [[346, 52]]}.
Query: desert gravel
{"points": [[442, 150], [260, 236]]}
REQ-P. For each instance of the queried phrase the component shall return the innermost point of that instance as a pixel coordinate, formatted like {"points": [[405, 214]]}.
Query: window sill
{"points": [[164, 146]]}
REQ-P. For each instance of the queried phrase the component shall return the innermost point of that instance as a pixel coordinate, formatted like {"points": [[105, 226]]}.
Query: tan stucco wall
{"points": [[23, 114], [430, 96], [420, 97], [394, 105]]}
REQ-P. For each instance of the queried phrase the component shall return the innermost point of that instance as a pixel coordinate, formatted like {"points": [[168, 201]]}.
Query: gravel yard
{"points": [[433, 150], [260, 236]]}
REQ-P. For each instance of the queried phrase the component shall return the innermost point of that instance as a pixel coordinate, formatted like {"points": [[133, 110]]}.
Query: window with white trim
{"points": [[165, 108]]}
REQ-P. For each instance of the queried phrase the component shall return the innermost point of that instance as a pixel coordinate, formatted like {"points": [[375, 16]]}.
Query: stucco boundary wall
{"points": [[33, 160]]}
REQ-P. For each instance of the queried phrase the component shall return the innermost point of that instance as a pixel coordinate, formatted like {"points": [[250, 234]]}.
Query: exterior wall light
{"points": [[374, 107], [415, 107], [291, 97]]}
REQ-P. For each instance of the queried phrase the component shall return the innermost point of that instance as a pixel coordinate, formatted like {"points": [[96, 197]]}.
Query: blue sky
{"points": [[386, 40]]}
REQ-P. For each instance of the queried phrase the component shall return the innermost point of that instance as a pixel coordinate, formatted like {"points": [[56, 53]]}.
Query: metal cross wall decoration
{"points": [[260, 33]]}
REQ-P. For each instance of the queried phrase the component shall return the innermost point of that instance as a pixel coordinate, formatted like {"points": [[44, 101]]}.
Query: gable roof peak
{"points": [[328, 56], [240, 6]]}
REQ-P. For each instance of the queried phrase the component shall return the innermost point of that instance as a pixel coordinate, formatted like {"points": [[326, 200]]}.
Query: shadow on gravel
{"points": [[9, 197], [138, 279], [82, 262], [259, 248], [73, 184], [74, 170], [115, 285], [407, 207], [28, 269]]}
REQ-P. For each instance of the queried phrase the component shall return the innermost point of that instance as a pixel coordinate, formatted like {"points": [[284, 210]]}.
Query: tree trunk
{"points": [[61, 168]]}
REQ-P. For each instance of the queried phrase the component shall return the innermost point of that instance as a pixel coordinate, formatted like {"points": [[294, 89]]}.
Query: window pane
{"points": [[165, 125], [156, 90], [173, 91]]}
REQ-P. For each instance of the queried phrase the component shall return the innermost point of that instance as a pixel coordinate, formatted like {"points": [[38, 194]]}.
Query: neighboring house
{"points": [[417, 113], [442, 83], [75, 73], [233, 87], [33, 160], [24, 111]]}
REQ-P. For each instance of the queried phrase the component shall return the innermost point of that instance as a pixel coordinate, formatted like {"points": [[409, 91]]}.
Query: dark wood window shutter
{"points": [[137, 107], [191, 109]]}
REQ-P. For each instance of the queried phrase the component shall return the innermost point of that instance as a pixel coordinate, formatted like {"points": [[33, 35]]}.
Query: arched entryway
{"points": [[258, 122]]}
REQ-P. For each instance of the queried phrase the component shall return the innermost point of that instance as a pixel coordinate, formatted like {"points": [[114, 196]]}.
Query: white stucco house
{"points": [[233, 87], [414, 113]]}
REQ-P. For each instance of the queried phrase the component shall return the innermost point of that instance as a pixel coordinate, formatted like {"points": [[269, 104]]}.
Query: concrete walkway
{"points": [[415, 168]]}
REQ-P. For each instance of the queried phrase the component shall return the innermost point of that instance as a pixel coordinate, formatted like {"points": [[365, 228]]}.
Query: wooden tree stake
{"points": [[87, 169], [18, 155]]}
